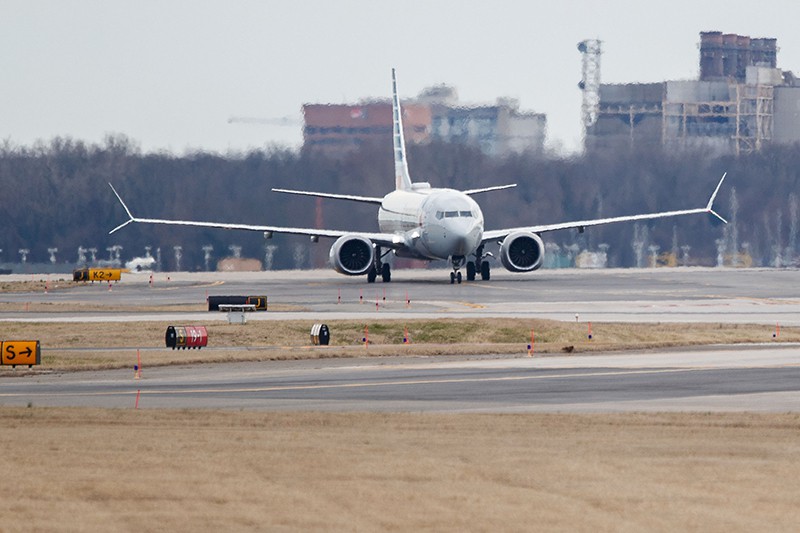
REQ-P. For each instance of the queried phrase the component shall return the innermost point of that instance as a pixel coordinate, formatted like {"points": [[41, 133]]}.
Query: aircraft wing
{"points": [[383, 239], [363, 199], [580, 224]]}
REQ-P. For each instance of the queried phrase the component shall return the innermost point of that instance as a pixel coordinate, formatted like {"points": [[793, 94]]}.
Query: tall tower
{"points": [[590, 81]]}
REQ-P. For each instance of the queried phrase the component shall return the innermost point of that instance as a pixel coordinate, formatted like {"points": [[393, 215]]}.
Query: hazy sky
{"points": [[169, 74]]}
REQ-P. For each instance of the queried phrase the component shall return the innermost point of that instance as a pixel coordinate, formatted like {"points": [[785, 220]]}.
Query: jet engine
{"points": [[522, 251], [352, 255]]}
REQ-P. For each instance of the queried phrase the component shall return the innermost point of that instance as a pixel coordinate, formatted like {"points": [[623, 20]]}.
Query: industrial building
{"points": [[740, 102], [435, 114]]}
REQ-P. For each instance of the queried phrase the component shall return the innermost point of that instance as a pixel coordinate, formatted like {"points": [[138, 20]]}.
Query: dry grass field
{"points": [[68, 346], [192, 470], [115, 470]]}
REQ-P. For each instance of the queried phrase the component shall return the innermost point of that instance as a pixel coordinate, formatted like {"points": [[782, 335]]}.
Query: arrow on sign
{"points": [[17, 352]]}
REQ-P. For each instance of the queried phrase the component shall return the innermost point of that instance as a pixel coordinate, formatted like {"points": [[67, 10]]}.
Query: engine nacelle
{"points": [[522, 251], [352, 255]]}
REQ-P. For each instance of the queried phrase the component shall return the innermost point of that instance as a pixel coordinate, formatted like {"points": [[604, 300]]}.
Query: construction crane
{"points": [[280, 121]]}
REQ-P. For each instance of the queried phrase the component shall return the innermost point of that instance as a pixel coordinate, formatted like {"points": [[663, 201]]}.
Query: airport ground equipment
{"points": [[320, 335], [186, 337], [258, 303]]}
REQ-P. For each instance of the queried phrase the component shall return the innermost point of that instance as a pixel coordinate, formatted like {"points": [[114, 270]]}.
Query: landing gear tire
{"points": [[371, 275], [485, 270], [452, 277], [470, 271], [386, 273], [458, 277]]}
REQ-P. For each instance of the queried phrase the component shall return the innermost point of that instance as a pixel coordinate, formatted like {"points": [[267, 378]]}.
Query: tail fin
{"points": [[402, 180]]}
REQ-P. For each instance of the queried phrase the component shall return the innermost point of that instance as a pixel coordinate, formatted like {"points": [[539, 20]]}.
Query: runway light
{"points": [[530, 346], [137, 368], [590, 331]]}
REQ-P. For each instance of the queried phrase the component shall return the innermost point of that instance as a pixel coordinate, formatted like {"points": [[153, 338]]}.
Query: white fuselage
{"points": [[433, 223]]}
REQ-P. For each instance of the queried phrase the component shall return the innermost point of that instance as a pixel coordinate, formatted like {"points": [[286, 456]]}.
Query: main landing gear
{"points": [[479, 266], [379, 266]]}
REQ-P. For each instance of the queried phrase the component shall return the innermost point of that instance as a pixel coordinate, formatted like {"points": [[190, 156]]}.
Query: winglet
{"points": [[131, 218], [402, 179], [710, 205]]}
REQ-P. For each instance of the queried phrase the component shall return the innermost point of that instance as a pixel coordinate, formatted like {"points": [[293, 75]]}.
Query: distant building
{"points": [[727, 56], [340, 128], [741, 101], [786, 122], [500, 129], [434, 115]]}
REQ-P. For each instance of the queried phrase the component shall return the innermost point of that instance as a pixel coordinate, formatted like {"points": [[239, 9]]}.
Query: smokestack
{"points": [[727, 56], [710, 55]]}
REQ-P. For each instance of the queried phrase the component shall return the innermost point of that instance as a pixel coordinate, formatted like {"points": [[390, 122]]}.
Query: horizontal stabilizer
{"points": [[351, 197], [489, 189]]}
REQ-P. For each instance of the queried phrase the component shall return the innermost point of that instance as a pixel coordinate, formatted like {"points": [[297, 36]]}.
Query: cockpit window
{"points": [[454, 214]]}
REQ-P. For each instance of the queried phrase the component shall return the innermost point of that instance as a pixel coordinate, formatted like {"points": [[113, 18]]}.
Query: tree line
{"points": [[56, 194]]}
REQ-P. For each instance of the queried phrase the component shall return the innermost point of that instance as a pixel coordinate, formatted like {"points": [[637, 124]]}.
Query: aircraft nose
{"points": [[465, 238]]}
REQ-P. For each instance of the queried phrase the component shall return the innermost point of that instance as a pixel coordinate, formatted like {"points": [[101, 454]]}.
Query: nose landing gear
{"points": [[457, 262]]}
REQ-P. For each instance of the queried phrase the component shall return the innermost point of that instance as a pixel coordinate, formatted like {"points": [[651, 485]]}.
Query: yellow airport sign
{"points": [[105, 274], [20, 353], [97, 274]]}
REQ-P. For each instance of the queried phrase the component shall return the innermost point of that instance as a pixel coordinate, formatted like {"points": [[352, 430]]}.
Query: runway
{"points": [[754, 296], [722, 378], [761, 378]]}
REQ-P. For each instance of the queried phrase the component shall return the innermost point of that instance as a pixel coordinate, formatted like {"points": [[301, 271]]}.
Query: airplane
{"points": [[422, 222], [141, 264]]}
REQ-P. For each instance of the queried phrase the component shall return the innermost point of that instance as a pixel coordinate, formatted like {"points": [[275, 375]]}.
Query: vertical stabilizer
{"points": [[402, 180]]}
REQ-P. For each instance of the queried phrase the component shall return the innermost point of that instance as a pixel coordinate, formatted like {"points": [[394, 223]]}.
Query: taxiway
{"points": [[718, 378]]}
